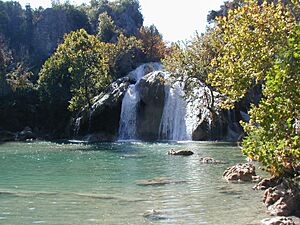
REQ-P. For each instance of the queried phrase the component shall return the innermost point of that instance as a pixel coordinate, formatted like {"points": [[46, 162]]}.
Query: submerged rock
{"points": [[180, 152], [209, 160], [157, 181], [278, 221], [240, 172], [154, 215]]}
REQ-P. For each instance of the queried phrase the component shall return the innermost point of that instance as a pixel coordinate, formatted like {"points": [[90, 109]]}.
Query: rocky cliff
{"points": [[149, 111]]}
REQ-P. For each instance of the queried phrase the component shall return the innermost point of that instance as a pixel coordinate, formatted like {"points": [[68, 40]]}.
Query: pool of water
{"points": [[55, 183]]}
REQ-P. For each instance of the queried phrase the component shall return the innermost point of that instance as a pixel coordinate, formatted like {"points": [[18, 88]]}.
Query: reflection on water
{"points": [[77, 183]]}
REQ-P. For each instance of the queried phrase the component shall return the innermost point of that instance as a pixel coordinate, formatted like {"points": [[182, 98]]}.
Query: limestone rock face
{"points": [[103, 119], [51, 27], [240, 172], [152, 94]]}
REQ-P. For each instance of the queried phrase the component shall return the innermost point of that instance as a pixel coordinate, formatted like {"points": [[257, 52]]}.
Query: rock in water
{"points": [[278, 221], [25, 134], [180, 152], [154, 215], [267, 183], [283, 200], [158, 181], [209, 160], [240, 172]]}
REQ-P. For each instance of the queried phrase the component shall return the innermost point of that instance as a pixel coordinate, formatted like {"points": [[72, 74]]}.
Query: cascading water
{"points": [[128, 118], [127, 129], [179, 118], [173, 123]]}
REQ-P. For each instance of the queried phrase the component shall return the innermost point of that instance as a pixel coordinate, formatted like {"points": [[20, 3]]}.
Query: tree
{"points": [[153, 44], [19, 78], [81, 68], [5, 61], [190, 63], [258, 44], [272, 137], [76, 72], [107, 30], [248, 41], [124, 55]]}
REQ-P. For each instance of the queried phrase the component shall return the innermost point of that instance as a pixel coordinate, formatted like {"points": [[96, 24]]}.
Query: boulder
{"points": [[267, 183], [283, 200], [180, 152], [25, 134], [6, 136], [278, 221], [152, 94], [105, 113], [240, 172]]}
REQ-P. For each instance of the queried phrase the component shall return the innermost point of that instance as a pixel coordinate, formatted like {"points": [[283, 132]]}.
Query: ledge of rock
{"points": [[180, 152], [267, 183], [283, 200], [278, 221], [241, 172]]}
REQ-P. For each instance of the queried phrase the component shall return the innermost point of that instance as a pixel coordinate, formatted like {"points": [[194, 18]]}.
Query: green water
{"points": [[50, 183]]}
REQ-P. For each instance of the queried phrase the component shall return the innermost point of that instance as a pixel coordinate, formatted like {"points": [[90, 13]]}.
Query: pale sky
{"points": [[175, 20]]}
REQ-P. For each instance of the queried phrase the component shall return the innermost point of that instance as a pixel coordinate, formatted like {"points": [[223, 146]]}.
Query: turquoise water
{"points": [[52, 183]]}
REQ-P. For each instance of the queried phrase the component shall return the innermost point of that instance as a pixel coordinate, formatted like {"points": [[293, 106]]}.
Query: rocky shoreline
{"points": [[281, 195]]}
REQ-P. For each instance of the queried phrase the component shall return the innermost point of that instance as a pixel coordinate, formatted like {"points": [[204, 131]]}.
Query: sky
{"points": [[175, 20]]}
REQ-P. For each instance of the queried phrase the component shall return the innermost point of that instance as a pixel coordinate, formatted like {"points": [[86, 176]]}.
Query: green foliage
{"points": [[153, 44], [76, 72], [5, 56], [123, 52], [273, 139], [106, 28], [258, 44], [248, 40], [13, 22], [19, 78], [81, 68], [223, 11]]}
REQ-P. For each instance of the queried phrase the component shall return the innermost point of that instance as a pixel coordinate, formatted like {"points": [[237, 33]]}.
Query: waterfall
{"points": [[179, 118], [173, 121], [127, 128], [127, 125]]}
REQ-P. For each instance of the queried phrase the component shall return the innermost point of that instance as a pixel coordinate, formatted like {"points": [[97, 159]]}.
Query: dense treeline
{"points": [[252, 44], [54, 61]]}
